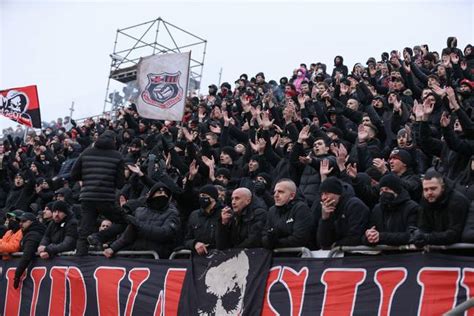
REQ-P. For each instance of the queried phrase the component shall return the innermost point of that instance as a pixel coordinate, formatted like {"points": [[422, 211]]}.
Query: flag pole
{"points": [[25, 134]]}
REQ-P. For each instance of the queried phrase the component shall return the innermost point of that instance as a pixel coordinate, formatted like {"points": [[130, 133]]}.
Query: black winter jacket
{"points": [[288, 226], [244, 230], [393, 221], [346, 225], [60, 237], [155, 230], [444, 220], [101, 170], [202, 227], [28, 245]]}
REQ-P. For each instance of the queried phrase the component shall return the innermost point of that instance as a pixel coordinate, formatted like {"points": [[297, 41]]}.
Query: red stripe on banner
{"points": [[388, 280], [37, 275], [13, 297], [108, 285], [137, 277], [295, 282], [57, 303], [341, 289], [77, 292], [173, 285], [439, 290]]}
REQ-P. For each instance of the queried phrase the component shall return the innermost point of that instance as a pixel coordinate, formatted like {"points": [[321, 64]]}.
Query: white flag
{"points": [[163, 81]]}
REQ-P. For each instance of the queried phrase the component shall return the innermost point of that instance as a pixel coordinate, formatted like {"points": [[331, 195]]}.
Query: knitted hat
{"points": [[402, 155], [210, 190], [331, 185], [61, 206], [224, 172], [228, 150], [391, 181]]}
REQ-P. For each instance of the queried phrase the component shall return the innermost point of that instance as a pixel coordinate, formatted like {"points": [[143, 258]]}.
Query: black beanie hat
{"points": [[61, 206], [210, 190], [331, 185], [402, 155], [228, 150], [391, 181], [223, 171]]}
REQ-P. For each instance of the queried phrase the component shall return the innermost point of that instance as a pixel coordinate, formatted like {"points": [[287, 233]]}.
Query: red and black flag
{"points": [[21, 105]]}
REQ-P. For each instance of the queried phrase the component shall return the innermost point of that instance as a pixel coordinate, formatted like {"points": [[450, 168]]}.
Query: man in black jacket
{"points": [[101, 170], [202, 223], [344, 217], [443, 213], [241, 226], [33, 231], [392, 217], [153, 227], [61, 233], [289, 220]]}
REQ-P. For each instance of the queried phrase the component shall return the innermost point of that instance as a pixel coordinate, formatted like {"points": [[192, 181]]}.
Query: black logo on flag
{"points": [[15, 106], [163, 90]]}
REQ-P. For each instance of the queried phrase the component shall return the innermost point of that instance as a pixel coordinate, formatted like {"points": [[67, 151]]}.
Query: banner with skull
{"points": [[162, 83], [230, 282], [21, 105]]}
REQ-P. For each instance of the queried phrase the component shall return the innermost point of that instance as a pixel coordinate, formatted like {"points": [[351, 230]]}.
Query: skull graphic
{"points": [[226, 283]]}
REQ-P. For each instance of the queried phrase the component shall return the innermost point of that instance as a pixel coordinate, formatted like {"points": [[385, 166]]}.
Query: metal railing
{"points": [[122, 253], [380, 248], [461, 308], [302, 251]]}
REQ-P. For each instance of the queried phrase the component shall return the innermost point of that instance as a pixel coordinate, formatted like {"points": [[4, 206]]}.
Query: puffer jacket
{"points": [[60, 237], [101, 169]]}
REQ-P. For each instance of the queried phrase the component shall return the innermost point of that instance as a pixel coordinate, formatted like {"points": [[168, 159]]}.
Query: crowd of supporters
{"points": [[381, 154]]}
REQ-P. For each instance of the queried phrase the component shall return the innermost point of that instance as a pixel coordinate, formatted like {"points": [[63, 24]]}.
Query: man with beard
{"points": [[152, 227], [443, 213], [61, 233], [392, 217], [202, 223]]}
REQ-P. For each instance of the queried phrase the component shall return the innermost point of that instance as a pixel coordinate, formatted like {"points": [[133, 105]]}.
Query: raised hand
{"points": [[304, 134], [362, 134], [445, 120], [351, 170], [380, 165], [193, 169], [418, 110], [324, 169]]}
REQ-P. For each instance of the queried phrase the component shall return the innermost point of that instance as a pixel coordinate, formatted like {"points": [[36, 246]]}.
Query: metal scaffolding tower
{"points": [[147, 39]]}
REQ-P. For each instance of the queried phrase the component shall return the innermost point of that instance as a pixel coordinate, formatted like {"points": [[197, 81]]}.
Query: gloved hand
{"points": [[130, 219], [16, 282], [272, 238], [417, 237], [259, 188]]}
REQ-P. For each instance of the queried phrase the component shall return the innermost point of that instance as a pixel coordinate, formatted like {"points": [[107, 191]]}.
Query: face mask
{"points": [[204, 202], [387, 197], [157, 203], [13, 225]]}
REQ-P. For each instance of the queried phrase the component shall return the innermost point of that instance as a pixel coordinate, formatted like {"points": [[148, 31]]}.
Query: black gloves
{"points": [[417, 237], [16, 282]]}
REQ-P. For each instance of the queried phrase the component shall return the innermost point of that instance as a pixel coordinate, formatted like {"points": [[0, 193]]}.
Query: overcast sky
{"points": [[63, 46]]}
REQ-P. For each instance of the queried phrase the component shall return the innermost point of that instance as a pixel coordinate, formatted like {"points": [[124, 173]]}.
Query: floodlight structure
{"points": [[147, 39]]}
